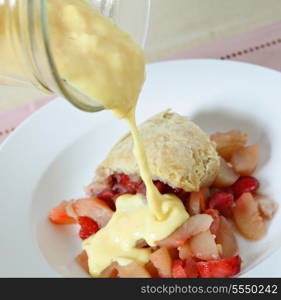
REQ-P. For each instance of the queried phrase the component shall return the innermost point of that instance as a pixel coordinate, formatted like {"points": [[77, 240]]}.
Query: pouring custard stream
{"points": [[102, 61]]}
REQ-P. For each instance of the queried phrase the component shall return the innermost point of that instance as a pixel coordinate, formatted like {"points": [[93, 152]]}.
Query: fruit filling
{"points": [[205, 245]]}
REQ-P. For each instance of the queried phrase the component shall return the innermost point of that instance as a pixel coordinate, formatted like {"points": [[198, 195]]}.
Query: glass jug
{"points": [[25, 53]]}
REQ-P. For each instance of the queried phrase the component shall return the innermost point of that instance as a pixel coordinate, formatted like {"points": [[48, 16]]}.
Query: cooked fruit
{"points": [[82, 260], [152, 270], [245, 160], [185, 251], [222, 202], [267, 206], [88, 227], [93, 208], [226, 176], [59, 214], [203, 246], [216, 220], [191, 227], [228, 142], [222, 268], [184, 269], [108, 196], [125, 184], [110, 272], [226, 238], [247, 217], [197, 201], [245, 184], [162, 260], [174, 253], [133, 270]]}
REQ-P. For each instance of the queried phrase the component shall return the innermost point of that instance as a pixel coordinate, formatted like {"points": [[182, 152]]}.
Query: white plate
{"points": [[52, 155]]}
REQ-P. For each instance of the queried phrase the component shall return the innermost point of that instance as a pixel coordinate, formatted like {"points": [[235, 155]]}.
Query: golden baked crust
{"points": [[178, 151]]}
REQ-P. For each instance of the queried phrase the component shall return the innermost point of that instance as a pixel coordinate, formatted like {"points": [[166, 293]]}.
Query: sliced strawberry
{"points": [[245, 184], [222, 202], [226, 176], [124, 184], [60, 215], [178, 270], [162, 261], [191, 269], [247, 217], [184, 269], [222, 268], [88, 227], [162, 187], [228, 142], [216, 220], [109, 197], [93, 208], [181, 194], [245, 160], [141, 188]]}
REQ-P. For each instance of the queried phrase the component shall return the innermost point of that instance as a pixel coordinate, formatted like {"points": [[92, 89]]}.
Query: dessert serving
{"points": [[213, 178]]}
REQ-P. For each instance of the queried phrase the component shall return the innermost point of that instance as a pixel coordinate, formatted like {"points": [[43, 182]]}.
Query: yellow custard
{"points": [[95, 56], [102, 61], [132, 221]]}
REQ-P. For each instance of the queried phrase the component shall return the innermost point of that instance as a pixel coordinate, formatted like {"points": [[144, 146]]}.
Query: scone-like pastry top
{"points": [[179, 153]]}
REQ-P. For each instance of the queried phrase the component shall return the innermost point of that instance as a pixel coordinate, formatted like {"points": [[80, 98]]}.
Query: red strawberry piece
{"points": [[111, 180], [88, 227], [222, 268], [141, 188], [246, 184], [191, 269], [184, 268], [178, 270], [125, 185], [222, 202], [160, 186], [181, 194], [106, 195], [228, 190], [122, 178], [109, 197]]}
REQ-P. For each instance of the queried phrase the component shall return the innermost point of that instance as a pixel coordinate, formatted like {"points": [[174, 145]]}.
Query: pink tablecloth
{"points": [[262, 47]]}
